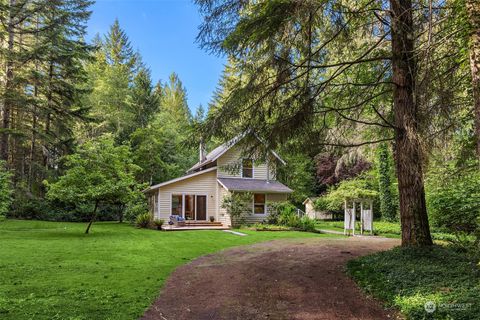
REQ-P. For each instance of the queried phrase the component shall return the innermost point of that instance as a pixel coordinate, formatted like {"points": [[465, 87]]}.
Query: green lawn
{"points": [[382, 228], [407, 278], [52, 270]]}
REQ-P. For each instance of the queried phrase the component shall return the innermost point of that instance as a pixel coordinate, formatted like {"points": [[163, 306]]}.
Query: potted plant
{"points": [[212, 218], [158, 223]]}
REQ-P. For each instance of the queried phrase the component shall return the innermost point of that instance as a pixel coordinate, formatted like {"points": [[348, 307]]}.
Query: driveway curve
{"points": [[281, 279]]}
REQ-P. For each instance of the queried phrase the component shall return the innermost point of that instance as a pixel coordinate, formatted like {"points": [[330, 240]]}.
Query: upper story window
{"points": [[247, 168]]}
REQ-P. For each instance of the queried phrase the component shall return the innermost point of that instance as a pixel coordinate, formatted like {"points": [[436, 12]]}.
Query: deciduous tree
{"points": [[99, 172]]}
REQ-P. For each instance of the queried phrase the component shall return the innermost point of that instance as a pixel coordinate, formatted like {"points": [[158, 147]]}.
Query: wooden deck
{"points": [[195, 225]]}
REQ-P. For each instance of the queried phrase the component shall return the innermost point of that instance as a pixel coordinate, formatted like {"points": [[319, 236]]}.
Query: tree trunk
{"points": [[8, 95], [33, 143], [473, 9], [121, 210], [413, 211], [92, 219]]}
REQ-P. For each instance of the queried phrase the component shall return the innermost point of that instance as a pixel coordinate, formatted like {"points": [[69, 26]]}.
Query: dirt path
{"points": [[283, 279]]}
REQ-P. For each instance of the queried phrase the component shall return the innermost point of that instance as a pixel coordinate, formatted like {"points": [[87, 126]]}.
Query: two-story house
{"points": [[198, 195]]}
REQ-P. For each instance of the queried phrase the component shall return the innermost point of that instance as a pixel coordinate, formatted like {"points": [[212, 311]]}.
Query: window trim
{"points": [[182, 203], [265, 210], [253, 169], [183, 194]]}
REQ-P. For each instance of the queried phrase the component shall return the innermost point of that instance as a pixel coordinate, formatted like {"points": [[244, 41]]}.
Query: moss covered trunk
{"points": [[473, 9], [413, 212]]}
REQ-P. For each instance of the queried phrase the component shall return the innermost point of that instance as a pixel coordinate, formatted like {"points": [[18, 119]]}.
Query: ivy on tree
{"points": [[387, 206]]}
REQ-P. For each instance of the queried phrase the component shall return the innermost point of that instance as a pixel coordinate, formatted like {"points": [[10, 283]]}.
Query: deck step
{"points": [[203, 223]]}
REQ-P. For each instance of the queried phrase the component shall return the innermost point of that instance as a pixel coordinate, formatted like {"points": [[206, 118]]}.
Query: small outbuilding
{"points": [[313, 213]]}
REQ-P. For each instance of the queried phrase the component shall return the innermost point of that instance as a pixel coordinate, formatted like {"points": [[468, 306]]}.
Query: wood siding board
{"points": [[232, 160], [200, 185]]}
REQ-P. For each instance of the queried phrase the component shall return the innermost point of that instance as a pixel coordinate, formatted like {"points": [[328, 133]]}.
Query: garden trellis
{"points": [[366, 215]]}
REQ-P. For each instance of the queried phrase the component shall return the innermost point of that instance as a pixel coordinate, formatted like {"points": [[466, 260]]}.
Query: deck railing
{"points": [[300, 213]]}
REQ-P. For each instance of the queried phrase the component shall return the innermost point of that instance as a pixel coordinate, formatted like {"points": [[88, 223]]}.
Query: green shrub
{"points": [[321, 204], [307, 224], [285, 214], [158, 223], [237, 205], [144, 220], [358, 188], [279, 209], [453, 200]]}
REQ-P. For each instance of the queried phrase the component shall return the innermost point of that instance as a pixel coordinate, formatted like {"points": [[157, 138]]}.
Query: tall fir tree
{"points": [[174, 100], [110, 78], [43, 62], [145, 99]]}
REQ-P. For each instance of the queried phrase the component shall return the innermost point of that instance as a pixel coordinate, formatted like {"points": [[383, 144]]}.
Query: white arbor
{"points": [[366, 215]]}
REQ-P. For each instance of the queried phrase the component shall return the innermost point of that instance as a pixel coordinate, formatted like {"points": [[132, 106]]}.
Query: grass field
{"points": [[52, 270], [382, 228]]}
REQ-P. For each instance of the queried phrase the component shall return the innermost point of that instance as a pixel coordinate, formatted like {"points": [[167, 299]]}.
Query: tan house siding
{"points": [[203, 184], [277, 197], [229, 166], [223, 216]]}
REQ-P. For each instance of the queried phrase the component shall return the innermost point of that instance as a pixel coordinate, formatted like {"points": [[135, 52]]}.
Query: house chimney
{"points": [[202, 151]]}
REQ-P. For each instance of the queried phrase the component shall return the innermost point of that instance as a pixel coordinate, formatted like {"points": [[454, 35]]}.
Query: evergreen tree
{"points": [[59, 81], [298, 77], [145, 100], [111, 77], [199, 115], [5, 190], [174, 100], [118, 49], [44, 71]]}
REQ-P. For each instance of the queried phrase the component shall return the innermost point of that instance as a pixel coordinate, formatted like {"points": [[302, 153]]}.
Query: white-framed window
{"points": [[177, 204], [259, 204], [247, 168], [189, 206]]}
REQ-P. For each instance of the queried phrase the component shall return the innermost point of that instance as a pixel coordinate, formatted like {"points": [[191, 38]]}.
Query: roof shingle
{"points": [[254, 185]]}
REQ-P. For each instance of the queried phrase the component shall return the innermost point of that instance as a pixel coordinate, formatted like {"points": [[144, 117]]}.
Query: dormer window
{"points": [[247, 168]]}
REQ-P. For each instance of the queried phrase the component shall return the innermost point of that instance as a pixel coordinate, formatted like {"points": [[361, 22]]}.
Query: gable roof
{"points": [[253, 185], [221, 149], [312, 199], [190, 175]]}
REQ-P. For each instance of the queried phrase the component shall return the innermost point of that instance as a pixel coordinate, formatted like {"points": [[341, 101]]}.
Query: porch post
{"points": [[183, 205], [361, 217], [354, 216]]}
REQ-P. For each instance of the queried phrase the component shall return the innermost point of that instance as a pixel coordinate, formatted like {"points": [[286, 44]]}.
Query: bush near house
{"points": [[237, 205], [285, 214], [158, 223], [144, 220]]}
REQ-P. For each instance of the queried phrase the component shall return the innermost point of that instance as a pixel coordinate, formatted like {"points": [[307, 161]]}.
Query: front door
{"points": [[201, 207]]}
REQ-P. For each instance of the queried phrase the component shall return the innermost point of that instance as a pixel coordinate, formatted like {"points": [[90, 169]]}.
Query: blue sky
{"points": [[164, 32]]}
